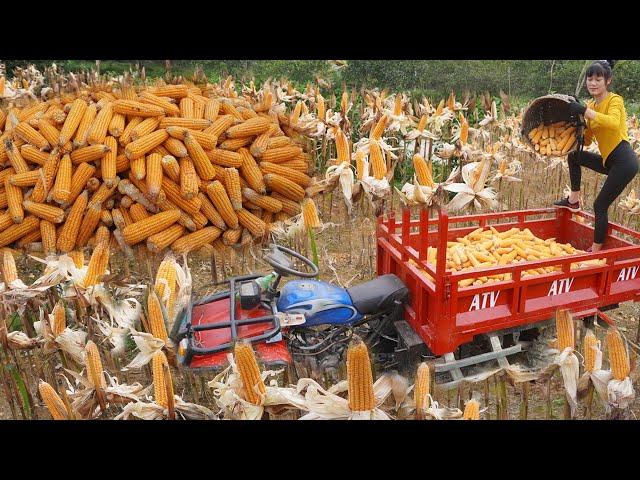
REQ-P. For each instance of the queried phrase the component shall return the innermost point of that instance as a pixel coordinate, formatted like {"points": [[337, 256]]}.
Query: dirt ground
{"points": [[347, 257]]}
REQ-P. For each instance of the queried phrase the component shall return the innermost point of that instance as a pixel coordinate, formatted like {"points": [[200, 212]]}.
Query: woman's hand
{"points": [[576, 108]]}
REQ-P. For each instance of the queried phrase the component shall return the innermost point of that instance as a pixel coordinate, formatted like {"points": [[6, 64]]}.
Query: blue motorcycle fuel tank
{"points": [[320, 302]]}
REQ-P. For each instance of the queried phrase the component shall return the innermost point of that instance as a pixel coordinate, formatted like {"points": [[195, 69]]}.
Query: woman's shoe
{"points": [[564, 203]]}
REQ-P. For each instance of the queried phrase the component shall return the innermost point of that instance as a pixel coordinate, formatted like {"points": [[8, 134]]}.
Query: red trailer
{"points": [[446, 316]]}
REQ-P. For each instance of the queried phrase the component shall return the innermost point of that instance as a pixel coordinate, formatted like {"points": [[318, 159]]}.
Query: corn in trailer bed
{"points": [[444, 316]]}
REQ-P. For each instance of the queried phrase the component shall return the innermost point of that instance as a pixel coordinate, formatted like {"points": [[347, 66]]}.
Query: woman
{"points": [[606, 120]]}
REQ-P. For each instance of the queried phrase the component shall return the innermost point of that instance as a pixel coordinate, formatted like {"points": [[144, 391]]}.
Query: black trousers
{"points": [[621, 166]]}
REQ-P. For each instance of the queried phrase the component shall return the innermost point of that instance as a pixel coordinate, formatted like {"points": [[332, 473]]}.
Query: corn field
{"points": [[124, 199]]}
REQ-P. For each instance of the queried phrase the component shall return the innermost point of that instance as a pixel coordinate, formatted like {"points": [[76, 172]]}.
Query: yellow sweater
{"points": [[609, 125]]}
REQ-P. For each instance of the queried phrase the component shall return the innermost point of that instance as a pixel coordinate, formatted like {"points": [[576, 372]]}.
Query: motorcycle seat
{"points": [[378, 294]]}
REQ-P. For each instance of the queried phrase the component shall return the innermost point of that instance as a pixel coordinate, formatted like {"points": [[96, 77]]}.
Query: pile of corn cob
{"points": [[555, 139], [488, 247], [172, 166]]}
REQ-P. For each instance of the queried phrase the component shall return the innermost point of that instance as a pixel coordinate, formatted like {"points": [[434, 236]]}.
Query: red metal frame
{"points": [[446, 315]]}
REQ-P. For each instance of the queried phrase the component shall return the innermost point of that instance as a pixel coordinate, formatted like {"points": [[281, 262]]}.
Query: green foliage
{"points": [[432, 78]]}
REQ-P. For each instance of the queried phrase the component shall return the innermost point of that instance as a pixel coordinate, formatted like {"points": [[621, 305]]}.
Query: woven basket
{"points": [[547, 109]]}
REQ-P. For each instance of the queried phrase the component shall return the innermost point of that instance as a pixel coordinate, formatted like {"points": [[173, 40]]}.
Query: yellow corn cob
{"points": [[156, 319], [162, 381], [62, 186], [206, 140], [161, 240], [284, 186], [14, 201], [210, 212], [17, 231], [53, 402], [173, 91], [33, 155], [116, 126], [200, 159], [49, 132], [422, 123], [378, 129], [59, 318], [232, 236], [320, 107], [189, 180], [73, 120], [89, 154], [68, 234], [144, 145], [231, 180], [301, 166], [109, 162], [278, 142], [421, 390], [247, 365], [171, 168], [565, 329], [27, 179], [295, 176], [361, 165], [589, 346], [195, 240], [262, 201], [251, 172], [172, 192], [79, 181], [224, 158], [471, 410], [378, 165], [48, 236], [137, 109], [289, 206], [618, 358], [310, 214], [144, 128], [98, 130], [32, 136], [138, 212], [45, 212], [139, 168], [89, 224], [211, 109], [218, 195], [80, 137], [29, 238], [95, 372], [220, 125], [342, 147], [248, 128], [9, 270], [176, 147], [190, 123], [261, 143], [103, 193], [281, 154], [360, 378], [165, 284], [15, 158], [139, 231], [423, 171], [251, 222], [77, 256], [234, 144], [169, 108]]}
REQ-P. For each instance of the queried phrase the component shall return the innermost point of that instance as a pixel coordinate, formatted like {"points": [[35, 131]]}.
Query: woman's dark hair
{"points": [[601, 68]]}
